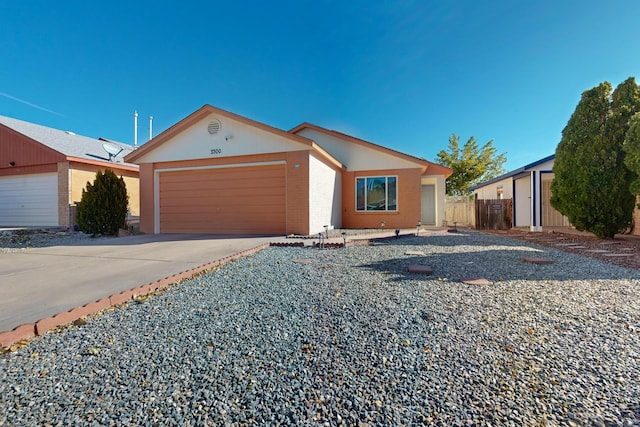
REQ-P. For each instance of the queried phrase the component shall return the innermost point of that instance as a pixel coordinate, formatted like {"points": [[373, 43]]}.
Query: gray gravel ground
{"points": [[351, 338]]}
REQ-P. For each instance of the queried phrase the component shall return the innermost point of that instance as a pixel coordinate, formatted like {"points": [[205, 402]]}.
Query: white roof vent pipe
{"points": [[150, 127], [135, 130]]}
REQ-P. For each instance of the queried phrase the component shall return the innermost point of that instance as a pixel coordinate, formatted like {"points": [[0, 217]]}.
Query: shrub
{"points": [[103, 207]]}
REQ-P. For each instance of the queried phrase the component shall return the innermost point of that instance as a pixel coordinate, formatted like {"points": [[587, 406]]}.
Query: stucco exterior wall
{"points": [[147, 194], [297, 181], [325, 196], [233, 138], [297, 186], [440, 197], [522, 202], [64, 215], [80, 174], [408, 198], [490, 192], [356, 156]]}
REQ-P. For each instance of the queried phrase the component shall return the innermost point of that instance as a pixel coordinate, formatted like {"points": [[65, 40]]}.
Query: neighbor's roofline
{"points": [[513, 172]]}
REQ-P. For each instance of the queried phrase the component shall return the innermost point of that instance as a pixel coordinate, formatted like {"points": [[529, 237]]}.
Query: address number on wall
{"points": [[216, 151]]}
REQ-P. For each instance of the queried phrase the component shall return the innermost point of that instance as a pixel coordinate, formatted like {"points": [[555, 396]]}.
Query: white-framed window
{"points": [[376, 193]]}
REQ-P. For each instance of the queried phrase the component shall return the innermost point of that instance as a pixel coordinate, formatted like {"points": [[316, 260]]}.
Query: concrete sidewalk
{"points": [[41, 282]]}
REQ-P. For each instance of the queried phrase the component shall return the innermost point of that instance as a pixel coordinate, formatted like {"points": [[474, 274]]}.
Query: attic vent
{"points": [[214, 126]]}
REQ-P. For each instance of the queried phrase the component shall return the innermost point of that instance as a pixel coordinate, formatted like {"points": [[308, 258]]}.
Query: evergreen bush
{"points": [[103, 207]]}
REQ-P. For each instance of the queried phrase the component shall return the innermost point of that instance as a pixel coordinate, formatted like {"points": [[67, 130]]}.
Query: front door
{"points": [[428, 205]]}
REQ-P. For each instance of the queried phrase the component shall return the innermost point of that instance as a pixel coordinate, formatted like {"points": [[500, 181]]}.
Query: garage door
{"points": [[239, 200], [29, 200]]}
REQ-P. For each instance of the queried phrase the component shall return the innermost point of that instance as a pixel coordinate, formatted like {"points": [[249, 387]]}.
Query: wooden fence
{"points": [[460, 210], [496, 214]]}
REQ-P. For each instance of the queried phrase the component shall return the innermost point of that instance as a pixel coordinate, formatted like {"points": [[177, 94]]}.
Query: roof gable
{"points": [[213, 132], [358, 154], [63, 144]]}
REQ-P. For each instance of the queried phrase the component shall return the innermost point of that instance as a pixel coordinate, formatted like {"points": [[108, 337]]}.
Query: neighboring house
{"points": [[529, 187], [218, 172], [43, 172]]}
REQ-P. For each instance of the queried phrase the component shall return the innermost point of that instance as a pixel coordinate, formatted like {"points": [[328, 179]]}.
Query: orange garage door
{"points": [[239, 200]]}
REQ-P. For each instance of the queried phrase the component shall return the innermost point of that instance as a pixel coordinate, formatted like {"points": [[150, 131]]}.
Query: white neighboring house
{"points": [[530, 189]]}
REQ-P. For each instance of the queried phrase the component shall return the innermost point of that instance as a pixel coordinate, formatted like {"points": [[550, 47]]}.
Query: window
{"points": [[378, 193]]}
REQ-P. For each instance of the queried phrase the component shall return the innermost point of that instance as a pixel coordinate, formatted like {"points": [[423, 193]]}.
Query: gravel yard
{"points": [[306, 336]]}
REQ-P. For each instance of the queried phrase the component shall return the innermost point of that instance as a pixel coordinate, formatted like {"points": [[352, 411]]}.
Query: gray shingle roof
{"points": [[68, 143]]}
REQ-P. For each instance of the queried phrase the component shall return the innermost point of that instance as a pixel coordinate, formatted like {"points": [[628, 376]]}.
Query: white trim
{"points": [[156, 182]]}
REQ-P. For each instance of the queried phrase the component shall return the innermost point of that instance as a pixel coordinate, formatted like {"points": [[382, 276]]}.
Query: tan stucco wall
{"points": [[79, 175], [64, 219]]}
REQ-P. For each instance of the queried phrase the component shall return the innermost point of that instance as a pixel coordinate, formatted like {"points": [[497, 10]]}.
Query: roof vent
{"points": [[214, 126]]}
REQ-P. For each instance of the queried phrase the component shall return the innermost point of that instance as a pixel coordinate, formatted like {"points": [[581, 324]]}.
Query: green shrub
{"points": [[103, 207]]}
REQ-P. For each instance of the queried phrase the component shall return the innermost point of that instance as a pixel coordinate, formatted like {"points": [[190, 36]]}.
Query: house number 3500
{"points": [[216, 151]]}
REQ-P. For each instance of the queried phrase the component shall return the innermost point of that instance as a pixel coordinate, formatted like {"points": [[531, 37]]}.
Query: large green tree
{"points": [[631, 148], [591, 185], [471, 164], [103, 207]]}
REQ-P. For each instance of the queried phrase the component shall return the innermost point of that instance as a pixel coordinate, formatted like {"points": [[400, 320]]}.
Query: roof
{"points": [[432, 168], [74, 147], [206, 110], [514, 172]]}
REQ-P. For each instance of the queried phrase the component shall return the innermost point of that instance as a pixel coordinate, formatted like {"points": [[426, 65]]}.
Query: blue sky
{"points": [[404, 74]]}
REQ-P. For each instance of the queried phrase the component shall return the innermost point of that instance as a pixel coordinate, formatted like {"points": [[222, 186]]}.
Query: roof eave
{"points": [[132, 168]]}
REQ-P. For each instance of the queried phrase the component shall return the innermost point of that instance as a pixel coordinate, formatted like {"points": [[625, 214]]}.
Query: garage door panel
{"points": [[224, 192], [246, 200], [29, 200], [221, 183]]}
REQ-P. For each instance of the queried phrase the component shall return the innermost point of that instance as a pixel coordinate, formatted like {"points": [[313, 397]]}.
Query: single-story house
{"points": [[529, 187], [43, 172], [218, 172]]}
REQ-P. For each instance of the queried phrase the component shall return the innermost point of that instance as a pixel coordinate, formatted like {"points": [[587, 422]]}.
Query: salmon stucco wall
{"points": [[297, 192], [147, 211], [408, 199]]}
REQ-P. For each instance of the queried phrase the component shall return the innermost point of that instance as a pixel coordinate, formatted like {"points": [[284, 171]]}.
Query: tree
{"points": [[591, 184], [631, 148], [103, 207], [471, 165]]}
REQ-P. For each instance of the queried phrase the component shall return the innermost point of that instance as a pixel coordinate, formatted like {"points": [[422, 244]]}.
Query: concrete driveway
{"points": [[41, 282]]}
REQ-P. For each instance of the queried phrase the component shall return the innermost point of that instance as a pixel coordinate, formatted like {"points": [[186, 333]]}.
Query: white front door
{"points": [[428, 205]]}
